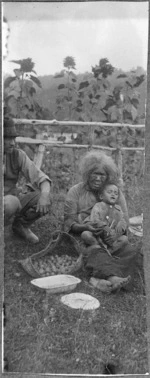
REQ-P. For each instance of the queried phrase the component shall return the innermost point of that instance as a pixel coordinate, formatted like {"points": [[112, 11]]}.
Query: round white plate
{"points": [[80, 301], [59, 282]]}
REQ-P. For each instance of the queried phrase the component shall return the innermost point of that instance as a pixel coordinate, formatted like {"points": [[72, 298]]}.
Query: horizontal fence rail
{"points": [[54, 122], [50, 142], [69, 145]]}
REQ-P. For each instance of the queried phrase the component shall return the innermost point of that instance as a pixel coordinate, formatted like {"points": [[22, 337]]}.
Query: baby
{"points": [[108, 221]]}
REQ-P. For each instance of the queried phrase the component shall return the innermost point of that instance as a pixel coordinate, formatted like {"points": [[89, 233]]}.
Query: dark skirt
{"points": [[99, 264], [122, 263]]}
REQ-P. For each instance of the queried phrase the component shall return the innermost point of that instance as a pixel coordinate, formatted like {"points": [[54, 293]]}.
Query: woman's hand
{"points": [[77, 228], [91, 227], [94, 227]]}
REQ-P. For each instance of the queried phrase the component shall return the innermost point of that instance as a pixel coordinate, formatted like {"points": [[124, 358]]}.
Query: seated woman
{"points": [[108, 273]]}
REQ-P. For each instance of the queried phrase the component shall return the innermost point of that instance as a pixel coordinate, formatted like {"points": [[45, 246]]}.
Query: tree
{"points": [[126, 98], [99, 100], [105, 94], [20, 90], [69, 62], [93, 92], [67, 88], [103, 69]]}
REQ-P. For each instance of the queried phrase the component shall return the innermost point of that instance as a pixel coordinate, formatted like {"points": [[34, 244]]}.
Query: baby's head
{"points": [[110, 194]]}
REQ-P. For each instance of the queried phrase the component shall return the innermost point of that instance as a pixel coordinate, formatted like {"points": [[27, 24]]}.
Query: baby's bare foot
{"points": [[102, 285], [119, 282]]}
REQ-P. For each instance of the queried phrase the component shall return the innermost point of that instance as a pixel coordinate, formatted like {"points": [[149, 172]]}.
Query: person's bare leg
{"points": [[88, 238], [13, 210], [103, 285], [12, 206], [27, 216], [118, 282], [119, 243]]}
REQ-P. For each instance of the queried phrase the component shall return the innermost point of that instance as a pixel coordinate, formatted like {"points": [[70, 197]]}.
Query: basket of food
{"points": [[62, 255]]}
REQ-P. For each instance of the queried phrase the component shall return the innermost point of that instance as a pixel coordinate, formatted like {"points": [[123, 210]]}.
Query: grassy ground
{"points": [[44, 336]]}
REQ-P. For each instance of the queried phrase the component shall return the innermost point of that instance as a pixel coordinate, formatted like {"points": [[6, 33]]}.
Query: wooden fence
{"points": [[40, 142]]}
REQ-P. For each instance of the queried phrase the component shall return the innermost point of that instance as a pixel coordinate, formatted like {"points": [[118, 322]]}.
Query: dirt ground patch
{"points": [[44, 336]]}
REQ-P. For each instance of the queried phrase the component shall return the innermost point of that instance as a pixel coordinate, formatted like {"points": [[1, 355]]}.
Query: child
{"points": [[108, 218]]}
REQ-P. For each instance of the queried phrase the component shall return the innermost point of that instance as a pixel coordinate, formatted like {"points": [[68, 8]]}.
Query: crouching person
{"points": [[22, 210]]}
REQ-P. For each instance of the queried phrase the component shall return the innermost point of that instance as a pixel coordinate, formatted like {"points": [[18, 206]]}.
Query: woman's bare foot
{"points": [[118, 282], [103, 285]]}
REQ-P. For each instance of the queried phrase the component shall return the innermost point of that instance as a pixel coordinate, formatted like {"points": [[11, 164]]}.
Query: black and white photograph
{"points": [[74, 78]]}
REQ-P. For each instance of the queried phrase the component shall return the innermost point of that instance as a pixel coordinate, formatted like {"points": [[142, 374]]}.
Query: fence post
{"points": [[91, 137], [118, 153], [38, 156]]}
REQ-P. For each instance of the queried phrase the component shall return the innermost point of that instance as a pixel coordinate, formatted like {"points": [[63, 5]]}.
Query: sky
{"points": [[88, 31]]}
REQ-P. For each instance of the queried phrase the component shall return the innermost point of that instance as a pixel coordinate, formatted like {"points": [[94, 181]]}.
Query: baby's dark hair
{"points": [[108, 183]]}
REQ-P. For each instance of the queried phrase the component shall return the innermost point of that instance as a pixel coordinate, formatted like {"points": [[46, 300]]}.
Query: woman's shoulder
{"points": [[75, 191], [121, 197], [77, 187]]}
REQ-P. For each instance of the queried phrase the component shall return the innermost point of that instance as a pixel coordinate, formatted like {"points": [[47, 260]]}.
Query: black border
{"points": [[146, 222]]}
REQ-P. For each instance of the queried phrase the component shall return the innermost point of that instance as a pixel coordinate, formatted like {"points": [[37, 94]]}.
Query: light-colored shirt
{"points": [[17, 162]]}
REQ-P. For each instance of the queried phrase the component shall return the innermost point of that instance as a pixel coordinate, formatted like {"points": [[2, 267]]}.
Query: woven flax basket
{"points": [[60, 243]]}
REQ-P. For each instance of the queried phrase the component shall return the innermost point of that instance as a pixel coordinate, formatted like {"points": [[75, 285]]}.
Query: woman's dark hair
{"points": [[95, 160]]}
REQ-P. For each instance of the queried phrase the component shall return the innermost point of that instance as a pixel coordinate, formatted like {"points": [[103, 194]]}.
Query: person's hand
{"points": [[98, 228], [44, 203], [91, 227], [120, 228]]}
